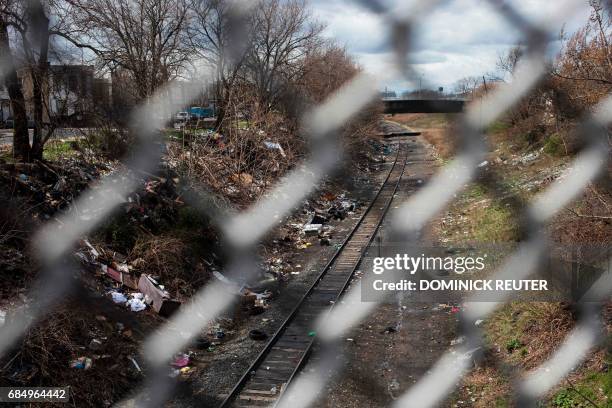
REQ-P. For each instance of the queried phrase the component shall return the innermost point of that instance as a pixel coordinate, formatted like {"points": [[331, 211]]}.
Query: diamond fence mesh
{"points": [[243, 230]]}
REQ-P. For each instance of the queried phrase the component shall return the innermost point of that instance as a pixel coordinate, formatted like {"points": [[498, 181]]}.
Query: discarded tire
{"points": [[258, 335], [203, 343], [256, 310]]}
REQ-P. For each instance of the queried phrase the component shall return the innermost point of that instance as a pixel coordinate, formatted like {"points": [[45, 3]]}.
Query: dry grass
{"points": [[436, 128], [521, 333], [43, 357], [483, 387], [167, 257], [589, 220]]}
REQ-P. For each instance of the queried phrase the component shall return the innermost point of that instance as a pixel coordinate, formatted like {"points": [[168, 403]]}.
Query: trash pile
{"points": [[181, 365], [239, 167], [146, 291], [378, 151], [527, 159], [320, 212], [156, 204], [255, 302], [51, 187]]}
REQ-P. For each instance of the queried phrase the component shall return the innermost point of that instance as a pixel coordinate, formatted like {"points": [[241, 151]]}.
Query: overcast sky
{"points": [[459, 38]]}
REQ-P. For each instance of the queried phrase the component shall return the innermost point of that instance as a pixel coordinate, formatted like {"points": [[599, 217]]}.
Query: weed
{"points": [[494, 224], [564, 399], [191, 219], [553, 145], [498, 126], [57, 150], [120, 233], [501, 402], [513, 344], [476, 191], [174, 134]]}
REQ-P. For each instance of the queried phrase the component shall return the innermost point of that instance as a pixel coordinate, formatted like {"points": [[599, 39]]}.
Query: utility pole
{"points": [[420, 85]]}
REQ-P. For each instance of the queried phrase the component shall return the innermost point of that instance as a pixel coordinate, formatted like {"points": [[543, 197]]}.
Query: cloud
{"points": [[458, 38]]}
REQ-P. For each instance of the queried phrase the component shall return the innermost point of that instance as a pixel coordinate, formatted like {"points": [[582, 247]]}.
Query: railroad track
{"points": [[284, 355]]}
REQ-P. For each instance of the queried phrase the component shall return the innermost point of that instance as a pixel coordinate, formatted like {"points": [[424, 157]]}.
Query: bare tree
{"points": [[144, 38], [582, 72], [284, 34], [213, 33], [587, 54], [466, 86], [325, 70], [506, 63]]}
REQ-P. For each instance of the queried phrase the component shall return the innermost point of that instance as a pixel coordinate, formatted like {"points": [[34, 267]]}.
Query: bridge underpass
{"points": [[393, 106]]}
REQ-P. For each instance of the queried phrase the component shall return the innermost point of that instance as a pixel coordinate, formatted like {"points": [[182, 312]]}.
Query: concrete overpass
{"points": [[423, 105]]}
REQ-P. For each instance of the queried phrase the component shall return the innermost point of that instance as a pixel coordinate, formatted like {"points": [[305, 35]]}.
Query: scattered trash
{"points": [[483, 164], [81, 363], [136, 304], [244, 179], [135, 364], [478, 322], [119, 297], [256, 310], [95, 345], [394, 385], [458, 340], [312, 228], [257, 335], [110, 263], [312, 333], [275, 146], [317, 218], [202, 343], [180, 360]]}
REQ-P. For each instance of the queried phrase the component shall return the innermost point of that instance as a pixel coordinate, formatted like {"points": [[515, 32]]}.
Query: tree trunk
{"points": [[220, 107], [39, 78], [21, 138]]}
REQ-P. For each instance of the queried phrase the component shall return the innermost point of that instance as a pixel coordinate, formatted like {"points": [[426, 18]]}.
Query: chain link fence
{"points": [[243, 230]]}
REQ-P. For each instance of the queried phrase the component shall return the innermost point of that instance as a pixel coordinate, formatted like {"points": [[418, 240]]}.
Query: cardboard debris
{"points": [[117, 268], [158, 298], [124, 278]]}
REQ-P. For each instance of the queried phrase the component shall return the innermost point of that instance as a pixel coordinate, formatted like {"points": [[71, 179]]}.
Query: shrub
{"points": [[553, 145]]}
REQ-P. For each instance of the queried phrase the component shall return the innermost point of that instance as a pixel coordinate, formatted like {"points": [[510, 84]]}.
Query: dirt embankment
{"points": [[521, 336]]}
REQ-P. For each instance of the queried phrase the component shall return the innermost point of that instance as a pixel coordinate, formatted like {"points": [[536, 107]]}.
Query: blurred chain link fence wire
{"points": [[242, 231]]}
